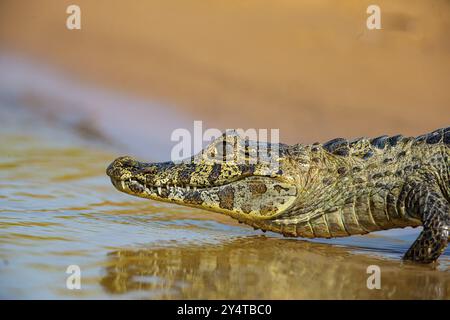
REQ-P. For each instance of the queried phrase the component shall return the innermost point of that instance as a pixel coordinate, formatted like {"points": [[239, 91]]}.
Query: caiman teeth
{"points": [[152, 189]]}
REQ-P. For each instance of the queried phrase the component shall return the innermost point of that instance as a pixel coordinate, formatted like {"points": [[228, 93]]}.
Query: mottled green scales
{"points": [[335, 189]]}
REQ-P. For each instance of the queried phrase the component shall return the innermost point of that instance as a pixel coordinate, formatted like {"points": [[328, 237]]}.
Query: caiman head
{"points": [[243, 179]]}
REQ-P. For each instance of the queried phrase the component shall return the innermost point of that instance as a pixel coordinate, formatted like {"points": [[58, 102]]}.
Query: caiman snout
{"points": [[237, 184], [116, 168], [235, 189], [128, 174]]}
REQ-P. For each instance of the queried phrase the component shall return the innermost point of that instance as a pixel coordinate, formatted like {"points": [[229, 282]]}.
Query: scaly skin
{"points": [[336, 189]]}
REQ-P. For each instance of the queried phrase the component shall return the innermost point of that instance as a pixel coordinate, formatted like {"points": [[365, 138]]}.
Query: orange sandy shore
{"points": [[310, 68]]}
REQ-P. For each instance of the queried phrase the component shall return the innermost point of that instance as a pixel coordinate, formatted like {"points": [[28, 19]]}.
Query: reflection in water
{"points": [[265, 268]]}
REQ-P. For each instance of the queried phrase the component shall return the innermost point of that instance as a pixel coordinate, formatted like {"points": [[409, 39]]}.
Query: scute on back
{"points": [[365, 148]]}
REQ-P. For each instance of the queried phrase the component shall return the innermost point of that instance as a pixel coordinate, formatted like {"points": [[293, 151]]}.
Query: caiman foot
{"points": [[434, 237]]}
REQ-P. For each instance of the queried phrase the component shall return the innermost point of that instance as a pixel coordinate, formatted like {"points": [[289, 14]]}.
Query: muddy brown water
{"points": [[58, 208]]}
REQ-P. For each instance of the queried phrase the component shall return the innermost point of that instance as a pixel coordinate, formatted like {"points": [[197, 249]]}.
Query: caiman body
{"points": [[335, 189]]}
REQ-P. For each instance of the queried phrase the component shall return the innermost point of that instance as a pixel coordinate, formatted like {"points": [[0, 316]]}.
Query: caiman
{"points": [[335, 189]]}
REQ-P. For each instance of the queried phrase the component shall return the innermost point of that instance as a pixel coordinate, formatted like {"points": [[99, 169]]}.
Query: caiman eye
{"points": [[223, 150], [212, 153]]}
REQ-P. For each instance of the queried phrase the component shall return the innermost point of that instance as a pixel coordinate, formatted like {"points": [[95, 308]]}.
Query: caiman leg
{"points": [[433, 209]]}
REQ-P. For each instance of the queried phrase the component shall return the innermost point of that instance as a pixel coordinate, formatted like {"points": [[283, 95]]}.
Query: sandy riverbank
{"points": [[311, 69]]}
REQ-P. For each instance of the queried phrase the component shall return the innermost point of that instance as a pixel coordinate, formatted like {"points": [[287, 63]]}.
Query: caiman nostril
{"points": [[110, 169], [121, 163], [127, 161]]}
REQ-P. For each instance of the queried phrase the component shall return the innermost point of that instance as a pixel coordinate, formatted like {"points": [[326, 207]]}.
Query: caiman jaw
{"points": [[238, 191]]}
